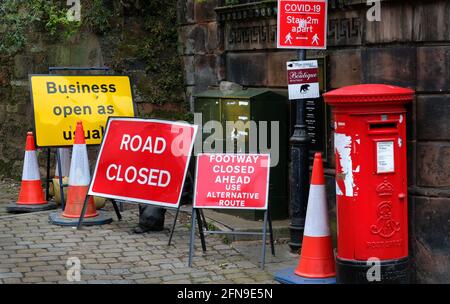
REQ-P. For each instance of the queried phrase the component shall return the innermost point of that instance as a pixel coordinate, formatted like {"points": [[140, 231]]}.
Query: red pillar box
{"points": [[371, 185]]}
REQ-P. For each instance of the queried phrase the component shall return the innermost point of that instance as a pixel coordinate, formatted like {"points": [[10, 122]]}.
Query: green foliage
{"points": [[19, 17], [156, 44], [158, 49], [97, 17]]}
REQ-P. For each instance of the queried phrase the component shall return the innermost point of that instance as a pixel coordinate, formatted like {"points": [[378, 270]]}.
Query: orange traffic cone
{"points": [[317, 258], [79, 180], [31, 195]]}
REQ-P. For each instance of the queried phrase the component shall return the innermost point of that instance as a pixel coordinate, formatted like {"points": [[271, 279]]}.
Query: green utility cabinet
{"points": [[241, 106]]}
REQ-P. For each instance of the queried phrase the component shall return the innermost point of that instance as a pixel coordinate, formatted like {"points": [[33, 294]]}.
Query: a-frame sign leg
{"points": [[205, 224], [117, 210], [264, 237], [47, 184], [272, 244], [83, 212], [61, 186], [173, 225], [192, 238], [200, 229]]}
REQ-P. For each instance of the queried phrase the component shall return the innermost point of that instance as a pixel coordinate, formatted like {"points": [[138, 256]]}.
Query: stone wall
{"points": [[129, 37], [410, 47]]}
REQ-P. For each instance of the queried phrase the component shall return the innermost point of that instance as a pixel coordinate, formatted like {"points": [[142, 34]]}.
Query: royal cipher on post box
{"points": [[371, 182]]}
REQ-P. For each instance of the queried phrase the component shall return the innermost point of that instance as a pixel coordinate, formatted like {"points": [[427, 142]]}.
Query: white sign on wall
{"points": [[303, 79]]}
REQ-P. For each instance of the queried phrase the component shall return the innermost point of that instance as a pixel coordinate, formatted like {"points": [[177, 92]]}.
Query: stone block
{"points": [[433, 112], [213, 40], [345, 28], [432, 240], [433, 69], [344, 68], [4, 76], [185, 11], [22, 66], [204, 10], [247, 69], [396, 24], [193, 37], [433, 164], [411, 162], [246, 35], [206, 71], [390, 65], [276, 67], [432, 21], [189, 71]]}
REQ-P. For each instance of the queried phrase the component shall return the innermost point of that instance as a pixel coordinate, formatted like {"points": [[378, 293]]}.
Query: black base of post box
{"points": [[356, 272]]}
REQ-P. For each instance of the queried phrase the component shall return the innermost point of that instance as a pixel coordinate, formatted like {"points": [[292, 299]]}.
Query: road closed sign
{"points": [[302, 24], [60, 101], [232, 181], [143, 161]]}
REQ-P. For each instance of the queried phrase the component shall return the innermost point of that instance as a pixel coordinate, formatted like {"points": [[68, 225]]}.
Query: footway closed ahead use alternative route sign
{"points": [[302, 24], [232, 181], [59, 102], [144, 161]]}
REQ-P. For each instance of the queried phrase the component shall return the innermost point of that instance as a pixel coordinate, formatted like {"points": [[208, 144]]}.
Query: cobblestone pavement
{"points": [[9, 191], [34, 251]]}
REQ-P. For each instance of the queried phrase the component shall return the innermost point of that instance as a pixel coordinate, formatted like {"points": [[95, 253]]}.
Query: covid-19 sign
{"points": [[60, 101]]}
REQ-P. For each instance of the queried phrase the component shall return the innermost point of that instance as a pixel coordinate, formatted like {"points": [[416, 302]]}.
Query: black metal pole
{"points": [[299, 181], [47, 184]]}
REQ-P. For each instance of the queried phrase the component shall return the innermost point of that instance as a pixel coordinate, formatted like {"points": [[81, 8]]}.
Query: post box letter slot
{"points": [[383, 127]]}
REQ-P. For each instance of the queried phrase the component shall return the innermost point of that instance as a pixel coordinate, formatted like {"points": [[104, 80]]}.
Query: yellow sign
{"points": [[60, 101]]}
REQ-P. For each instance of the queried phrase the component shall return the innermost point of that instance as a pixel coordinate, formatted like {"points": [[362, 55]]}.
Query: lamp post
{"points": [[299, 180]]}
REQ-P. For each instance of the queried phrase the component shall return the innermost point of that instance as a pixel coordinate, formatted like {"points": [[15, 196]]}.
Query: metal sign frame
{"points": [[266, 222]]}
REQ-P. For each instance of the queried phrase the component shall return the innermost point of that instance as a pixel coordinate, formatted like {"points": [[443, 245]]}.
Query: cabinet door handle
{"points": [[401, 196]]}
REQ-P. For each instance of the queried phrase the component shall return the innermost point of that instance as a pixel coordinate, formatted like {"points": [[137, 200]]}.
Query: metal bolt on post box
{"points": [[371, 182]]}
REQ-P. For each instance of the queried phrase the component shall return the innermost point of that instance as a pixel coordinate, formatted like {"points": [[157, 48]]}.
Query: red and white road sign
{"points": [[232, 181], [302, 24], [143, 161]]}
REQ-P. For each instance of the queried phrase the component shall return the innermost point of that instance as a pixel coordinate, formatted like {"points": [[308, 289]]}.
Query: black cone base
{"points": [[19, 208], [102, 218]]}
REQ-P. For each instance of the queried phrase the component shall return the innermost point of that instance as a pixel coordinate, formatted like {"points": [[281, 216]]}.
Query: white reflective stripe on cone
{"points": [[65, 162], [79, 167], [316, 224], [30, 166]]}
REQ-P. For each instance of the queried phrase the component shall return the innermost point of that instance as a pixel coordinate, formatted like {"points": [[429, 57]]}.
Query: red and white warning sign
{"points": [[143, 161], [302, 24], [232, 181], [303, 79]]}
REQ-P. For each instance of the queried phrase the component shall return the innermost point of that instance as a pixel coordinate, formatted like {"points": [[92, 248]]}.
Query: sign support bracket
{"points": [[202, 215], [266, 224], [83, 211], [61, 186]]}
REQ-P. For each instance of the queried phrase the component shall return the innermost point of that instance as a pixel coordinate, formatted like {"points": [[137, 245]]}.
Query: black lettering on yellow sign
{"points": [[81, 110], [88, 134], [60, 101], [53, 88]]}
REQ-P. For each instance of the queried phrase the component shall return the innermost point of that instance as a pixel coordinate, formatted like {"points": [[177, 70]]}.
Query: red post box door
{"points": [[380, 180]]}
